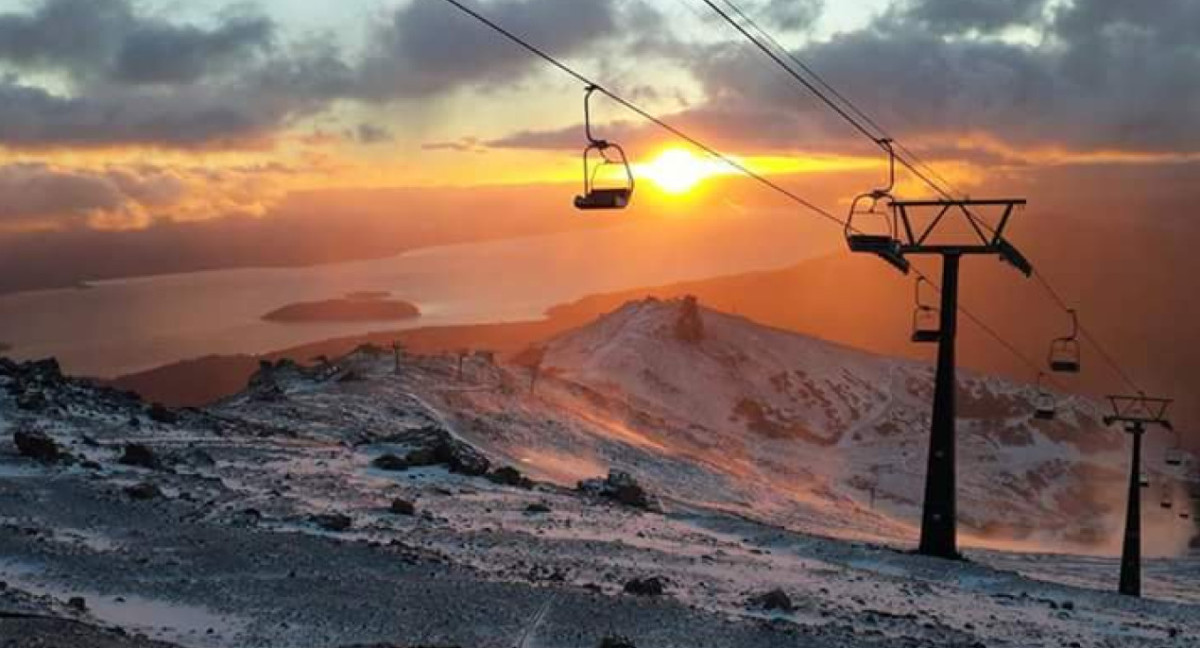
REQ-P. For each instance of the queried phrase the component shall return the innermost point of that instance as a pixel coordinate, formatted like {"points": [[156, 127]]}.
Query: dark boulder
{"points": [[160, 413], [140, 456], [774, 600], [537, 508], [403, 507], [335, 522], [652, 586], [390, 462], [37, 445], [509, 476], [32, 401], [457, 456], [621, 487], [143, 492], [616, 641]]}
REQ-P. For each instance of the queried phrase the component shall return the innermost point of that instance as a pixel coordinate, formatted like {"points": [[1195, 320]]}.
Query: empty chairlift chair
{"points": [[598, 155], [1167, 502], [1143, 479], [1064, 352], [1045, 409], [1175, 454], [871, 226], [927, 320]]}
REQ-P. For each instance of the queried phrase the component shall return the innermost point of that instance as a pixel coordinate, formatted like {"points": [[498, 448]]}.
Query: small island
{"points": [[356, 307]]}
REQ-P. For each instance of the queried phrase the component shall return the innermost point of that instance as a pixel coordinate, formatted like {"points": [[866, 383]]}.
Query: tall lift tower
{"points": [[1135, 413], [919, 228]]}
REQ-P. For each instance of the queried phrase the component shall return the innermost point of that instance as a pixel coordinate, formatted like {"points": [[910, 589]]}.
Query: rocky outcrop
{"points": [[37, 445], [620, 487]]}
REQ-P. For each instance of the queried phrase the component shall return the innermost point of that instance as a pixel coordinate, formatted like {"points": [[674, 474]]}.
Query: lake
{"points": [[116, 327]]}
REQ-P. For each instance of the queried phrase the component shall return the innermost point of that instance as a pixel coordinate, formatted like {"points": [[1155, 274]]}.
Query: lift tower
{"points": [[1136, 413], [920, 228]]}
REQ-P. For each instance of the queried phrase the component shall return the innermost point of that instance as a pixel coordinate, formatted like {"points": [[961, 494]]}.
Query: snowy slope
{"points": [[800, 431]]}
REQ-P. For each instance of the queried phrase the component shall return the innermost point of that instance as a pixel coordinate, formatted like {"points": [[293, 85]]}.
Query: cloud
{"points": [[429, 48], [38, 191], [111, 197], [1105, 75], [371, 134], [133, 78], [958, 16], [461, 145], [164, 53], [93, 41]]}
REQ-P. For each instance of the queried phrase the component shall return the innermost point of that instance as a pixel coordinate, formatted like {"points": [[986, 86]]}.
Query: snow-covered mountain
{"points": [[715, 409], [373, 498]]}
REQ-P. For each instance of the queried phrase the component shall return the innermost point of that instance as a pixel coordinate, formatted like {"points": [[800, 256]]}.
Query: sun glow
{"points": [[678, 171]]}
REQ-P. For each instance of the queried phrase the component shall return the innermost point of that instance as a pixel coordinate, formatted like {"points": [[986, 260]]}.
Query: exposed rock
{"points": [[77, 603], [143, 491], [391, 462], [403, 507], [510, 476], [335, 522], [537, 508], [621, 487], [37, 445], [141, 456], [652, 586], [32, 401], [774, 600], [455, 455], [159, 413], [689, 327], [616, 641]]}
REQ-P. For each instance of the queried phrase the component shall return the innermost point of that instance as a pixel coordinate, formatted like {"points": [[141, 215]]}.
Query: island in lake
{"points": [[357, 307]]}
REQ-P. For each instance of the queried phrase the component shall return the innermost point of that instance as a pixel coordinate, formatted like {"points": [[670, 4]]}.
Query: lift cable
{"points": [[816, 209], [882, 133], [946, 189]]}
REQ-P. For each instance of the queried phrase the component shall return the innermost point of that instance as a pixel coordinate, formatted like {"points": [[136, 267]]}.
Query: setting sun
{"points": [[677, 171]]}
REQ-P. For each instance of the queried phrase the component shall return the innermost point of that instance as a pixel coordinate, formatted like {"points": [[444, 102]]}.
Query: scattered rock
{"points": [[141, 456], [537, 508], [774, 600], [457, 456], [509, 476], [37, 445], [335, 522], [144, 491], [77, 603], [652, 586], [403, 507]]}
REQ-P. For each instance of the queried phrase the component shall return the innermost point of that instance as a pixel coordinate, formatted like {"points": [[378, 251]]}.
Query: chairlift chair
{"points": [[595, 158], [1175, 454], [1167, 501], [1064, 352], [927, 325], [1045, 408], [1143, 479], [886, 243]]}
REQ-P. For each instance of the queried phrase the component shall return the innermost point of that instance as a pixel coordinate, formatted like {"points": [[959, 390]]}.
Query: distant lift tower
{"points": [[1136, 413], [970, 237]]}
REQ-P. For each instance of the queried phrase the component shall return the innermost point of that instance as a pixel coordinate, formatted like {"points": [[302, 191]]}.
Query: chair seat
{"points": [[1065, 366], [604, 199], [926, 337], [872, 243]]}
